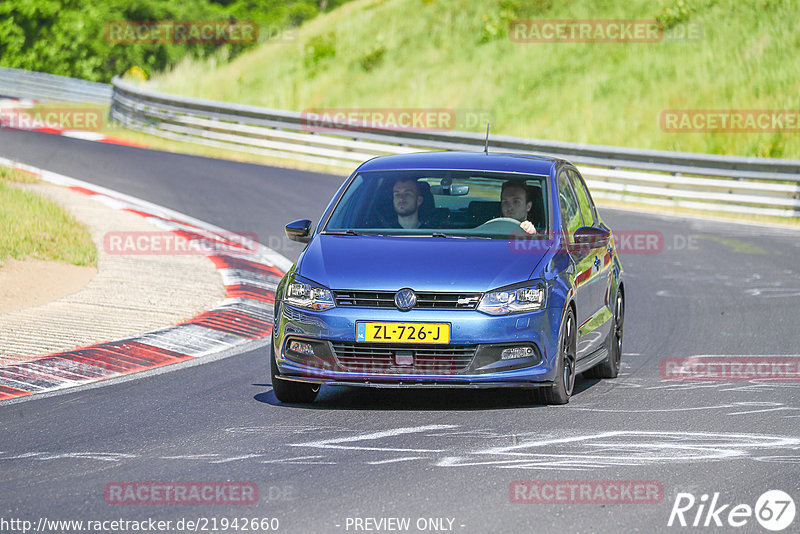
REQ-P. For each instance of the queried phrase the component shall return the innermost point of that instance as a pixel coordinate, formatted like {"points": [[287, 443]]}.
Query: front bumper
{"points": [[400, 384], [469, 328]]}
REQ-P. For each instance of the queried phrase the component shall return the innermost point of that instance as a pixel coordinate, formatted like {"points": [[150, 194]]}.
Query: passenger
{"points": [[516, 204]]}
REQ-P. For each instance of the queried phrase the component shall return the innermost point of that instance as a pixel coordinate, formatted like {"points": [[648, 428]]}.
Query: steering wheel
{"points": [[500, 220]]}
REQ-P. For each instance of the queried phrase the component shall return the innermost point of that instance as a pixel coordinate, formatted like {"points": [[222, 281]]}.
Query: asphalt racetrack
{"points": [[446, 460]]}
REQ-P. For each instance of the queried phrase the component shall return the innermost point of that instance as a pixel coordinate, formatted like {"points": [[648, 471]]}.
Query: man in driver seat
{"points": [[406, 200], [514, 203]]}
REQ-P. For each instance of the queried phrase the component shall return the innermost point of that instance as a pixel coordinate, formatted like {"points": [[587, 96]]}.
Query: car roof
{"points": [[471, 161]]}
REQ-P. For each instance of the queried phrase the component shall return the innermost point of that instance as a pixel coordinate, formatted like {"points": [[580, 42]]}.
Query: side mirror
{"points": [[299, 231], [589, 237]]}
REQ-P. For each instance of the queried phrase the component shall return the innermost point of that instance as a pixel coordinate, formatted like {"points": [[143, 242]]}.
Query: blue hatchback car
{"points": [[451, 270]]}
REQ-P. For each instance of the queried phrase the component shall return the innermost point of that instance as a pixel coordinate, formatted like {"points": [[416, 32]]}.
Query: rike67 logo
{"points": [[774, 510]]}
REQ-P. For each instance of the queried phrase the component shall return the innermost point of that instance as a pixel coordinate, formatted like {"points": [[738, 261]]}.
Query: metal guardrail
{"points": [[16, 83], [757, 186]]}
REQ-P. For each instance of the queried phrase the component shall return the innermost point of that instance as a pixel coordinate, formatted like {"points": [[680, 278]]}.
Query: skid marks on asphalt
{"points": [[750, 387], [731, 408], [576, 452], [452, 446], [747, 278]]}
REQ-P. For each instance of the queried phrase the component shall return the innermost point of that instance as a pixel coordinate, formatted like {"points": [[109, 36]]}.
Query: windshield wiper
{"points": [[340, 232], [345, 232], [451, 236]]}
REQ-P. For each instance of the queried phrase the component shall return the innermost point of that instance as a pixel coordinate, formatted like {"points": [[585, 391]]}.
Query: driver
{"points": [[406, 200], [515, 204]]}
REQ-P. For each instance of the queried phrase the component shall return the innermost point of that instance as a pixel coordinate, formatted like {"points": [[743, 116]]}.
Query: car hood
{"points": [[384, 263]]}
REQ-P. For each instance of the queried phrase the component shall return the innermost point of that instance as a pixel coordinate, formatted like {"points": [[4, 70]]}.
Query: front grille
{"points": [[425, 300], [381, 358]]}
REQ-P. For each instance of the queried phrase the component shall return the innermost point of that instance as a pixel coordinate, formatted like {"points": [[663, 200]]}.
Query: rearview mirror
{"points": [[453, 190], [299, 231]]}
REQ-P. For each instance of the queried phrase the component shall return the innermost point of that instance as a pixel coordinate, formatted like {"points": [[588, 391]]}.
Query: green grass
{"points": [[32, 226], [458, 55], [17, 176]]}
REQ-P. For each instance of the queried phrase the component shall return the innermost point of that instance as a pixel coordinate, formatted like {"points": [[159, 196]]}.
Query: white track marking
{"points": [[622, 448], [231, 277], [779, 459], [191, 457], [193, 340], [101, 456], [335, 443], [778, 408], [294, 429], [394, 460], [759, 407], [298, 460], [86, 136], [573, 453], [236, 458]]}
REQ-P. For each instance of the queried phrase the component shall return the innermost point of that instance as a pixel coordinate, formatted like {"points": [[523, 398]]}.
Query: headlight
{"points": [[309, 297], [520, 299]]}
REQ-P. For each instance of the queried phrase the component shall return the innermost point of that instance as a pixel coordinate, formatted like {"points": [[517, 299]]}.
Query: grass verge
{"points": [[32, 226], [450, 54]]}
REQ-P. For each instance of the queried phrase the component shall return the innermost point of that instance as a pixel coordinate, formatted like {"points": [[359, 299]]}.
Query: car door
{"points": [[582, 259], [599, 261]]}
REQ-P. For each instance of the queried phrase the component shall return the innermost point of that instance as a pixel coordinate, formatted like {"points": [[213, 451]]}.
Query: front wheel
{"points": [[561, 390], [288, 391]]}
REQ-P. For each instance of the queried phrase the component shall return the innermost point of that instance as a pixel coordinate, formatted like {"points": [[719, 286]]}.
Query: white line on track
{"points": [[394, 460], [335, 443]]}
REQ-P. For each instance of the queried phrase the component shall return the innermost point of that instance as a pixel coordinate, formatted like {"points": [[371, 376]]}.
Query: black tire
{"points": [[288, 391], [561, 390], [609, 368]]}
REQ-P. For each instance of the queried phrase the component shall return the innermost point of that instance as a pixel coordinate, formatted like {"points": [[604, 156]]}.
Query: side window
{"points": [[538, 214], [584, 202], [343, 216], [570, 213]]}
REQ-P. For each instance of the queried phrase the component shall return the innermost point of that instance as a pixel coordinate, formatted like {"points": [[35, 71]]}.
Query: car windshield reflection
{"points": [[442, 204]]}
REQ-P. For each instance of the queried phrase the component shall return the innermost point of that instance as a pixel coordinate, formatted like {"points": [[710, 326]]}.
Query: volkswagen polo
{"points": [[451, 270]]}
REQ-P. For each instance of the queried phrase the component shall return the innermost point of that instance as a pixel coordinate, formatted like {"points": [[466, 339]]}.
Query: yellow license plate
{"points": [[403, 332]]}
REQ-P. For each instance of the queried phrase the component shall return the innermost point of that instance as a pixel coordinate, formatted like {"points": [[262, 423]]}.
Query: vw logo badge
{"points": [[405, 299]]}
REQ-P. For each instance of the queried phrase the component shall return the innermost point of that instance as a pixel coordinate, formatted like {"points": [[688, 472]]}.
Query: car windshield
{"points": [[441, 203]]}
